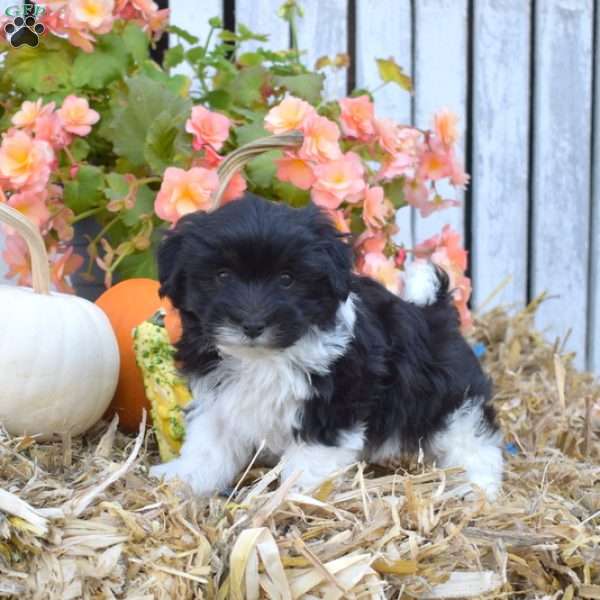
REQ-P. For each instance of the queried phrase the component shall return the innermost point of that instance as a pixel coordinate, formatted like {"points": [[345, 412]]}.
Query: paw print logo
{"points": [[23, 31]]}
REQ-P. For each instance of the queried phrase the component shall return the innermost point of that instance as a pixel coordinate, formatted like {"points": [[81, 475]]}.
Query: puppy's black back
{"points": [[407, 369]]}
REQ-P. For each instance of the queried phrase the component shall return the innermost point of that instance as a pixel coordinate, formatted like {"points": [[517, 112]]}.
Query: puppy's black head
{"points": [[252, 275]]}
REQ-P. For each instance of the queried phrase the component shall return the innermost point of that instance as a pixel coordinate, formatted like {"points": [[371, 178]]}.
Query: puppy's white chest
{"points": [[258, 398]]}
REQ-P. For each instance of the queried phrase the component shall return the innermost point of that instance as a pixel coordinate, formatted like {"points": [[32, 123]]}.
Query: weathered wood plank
{"points": [[323, 32], [594, 324], [192, 18], [440, 81], [260, 16], [500, 164], [561, 166], [383, 30]]}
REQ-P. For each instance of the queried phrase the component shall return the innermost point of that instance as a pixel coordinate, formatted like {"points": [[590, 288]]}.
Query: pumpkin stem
{"points": [[238, 158], [40, 273]]}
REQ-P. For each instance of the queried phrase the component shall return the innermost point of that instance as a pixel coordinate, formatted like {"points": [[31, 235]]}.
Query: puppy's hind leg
{"points": [[471, 441]]}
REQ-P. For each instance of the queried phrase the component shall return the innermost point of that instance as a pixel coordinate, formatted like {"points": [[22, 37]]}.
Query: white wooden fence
{"points": [[522, 77]]}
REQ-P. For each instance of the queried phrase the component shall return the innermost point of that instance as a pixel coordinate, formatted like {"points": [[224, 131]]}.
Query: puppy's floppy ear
{"points": [[170, 258], [170, 266], [338, 252]]}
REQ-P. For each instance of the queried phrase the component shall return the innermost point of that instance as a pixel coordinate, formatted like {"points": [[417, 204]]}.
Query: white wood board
{"points": [[594, 313], [260, 16], [384, 30], [323, 31], [193, 17], [441, 31], [561, 167], [500, 157]]}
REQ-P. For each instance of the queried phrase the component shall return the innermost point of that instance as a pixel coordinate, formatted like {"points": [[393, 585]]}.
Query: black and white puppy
{"points": [[284, 344]]}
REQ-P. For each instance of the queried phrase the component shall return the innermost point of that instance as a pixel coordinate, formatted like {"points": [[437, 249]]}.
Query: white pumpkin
{"points": [[59, 359]]}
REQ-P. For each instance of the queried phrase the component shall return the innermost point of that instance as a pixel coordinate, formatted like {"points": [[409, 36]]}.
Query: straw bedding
{"points": [[81, 519]]}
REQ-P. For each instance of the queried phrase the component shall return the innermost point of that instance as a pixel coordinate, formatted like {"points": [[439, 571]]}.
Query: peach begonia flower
{"points": [[357, 117], [146, 7], [61, 216], [445, 250], [235, 188], [321, 140], [32, 205], [48, 127], [16, 256], [80, 39], [76, 116], [400, 165], [63, 264], [371, 241], [416, 194], [395, 138], [183, 192], [338, 180], [377, 209], [207, 127], [27, 115], [24, 161], [445, 124], [289, 115], [296, 171], [96, 15], [339, 220], [382, 269]]}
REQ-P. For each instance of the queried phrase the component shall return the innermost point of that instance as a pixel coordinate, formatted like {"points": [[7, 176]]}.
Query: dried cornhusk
{"points": [[81, 519]]}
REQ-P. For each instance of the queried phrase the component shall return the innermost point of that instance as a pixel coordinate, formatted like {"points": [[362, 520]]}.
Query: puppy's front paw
{"points": [[166, 471], [194, 476]]}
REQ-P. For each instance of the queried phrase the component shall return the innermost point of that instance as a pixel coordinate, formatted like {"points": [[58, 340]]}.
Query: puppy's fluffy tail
{"points": [[426, 283]]}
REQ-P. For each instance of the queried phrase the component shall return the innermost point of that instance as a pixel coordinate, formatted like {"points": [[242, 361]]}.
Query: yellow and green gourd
{"points": [[166, 389]]}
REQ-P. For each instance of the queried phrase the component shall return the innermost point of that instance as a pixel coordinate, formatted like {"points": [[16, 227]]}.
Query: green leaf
{"points": [[118, 186], [228, 36], [246, 88], [108, 61], [40, 70], [165, 141], [250, 59], [195, 55], [250, 132], [215, 22], [290, 194], [144, 205], [307, 86], [136, 41], [178, 84], [261, 170], [133, 118], [85, 191], [79, 149], [389, 70], [218, 99], [173, 56], [140, 264], [246, 34], [183, 34], [394, 190]]}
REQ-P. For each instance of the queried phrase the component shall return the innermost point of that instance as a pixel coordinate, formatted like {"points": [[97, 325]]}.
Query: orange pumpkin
{"points": [[127, 304], [172, 321]]}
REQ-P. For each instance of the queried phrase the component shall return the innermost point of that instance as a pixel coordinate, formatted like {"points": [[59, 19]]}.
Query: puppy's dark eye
{"points": [[223, 275], [286, 280]]}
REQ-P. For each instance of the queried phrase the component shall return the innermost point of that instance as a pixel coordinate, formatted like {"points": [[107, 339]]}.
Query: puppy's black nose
{"points": [[253, 328]]}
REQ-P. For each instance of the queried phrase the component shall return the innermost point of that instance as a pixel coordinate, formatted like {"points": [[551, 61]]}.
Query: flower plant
{"points": [[93, 128]]}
